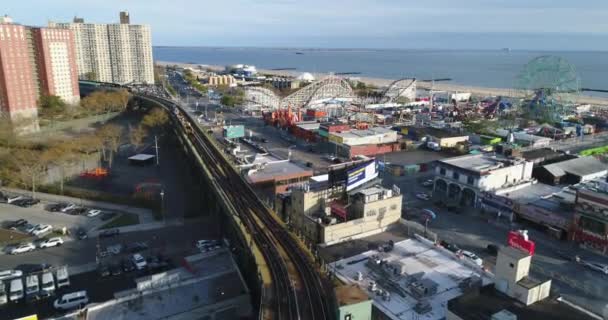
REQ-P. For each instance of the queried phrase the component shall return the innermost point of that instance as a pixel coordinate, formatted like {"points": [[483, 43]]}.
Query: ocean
{"points": [[493, 69]]}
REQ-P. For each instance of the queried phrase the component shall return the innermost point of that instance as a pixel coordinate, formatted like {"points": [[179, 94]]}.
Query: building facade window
{"points": [[470, 180], [442, 171], [455, 175]]}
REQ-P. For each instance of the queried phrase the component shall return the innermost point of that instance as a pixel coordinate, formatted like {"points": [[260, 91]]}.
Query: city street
{"points": [[473, 232]]}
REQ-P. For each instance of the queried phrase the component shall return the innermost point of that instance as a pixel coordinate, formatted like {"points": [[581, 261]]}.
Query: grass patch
{"points": [[124, 219], [12, 237]]}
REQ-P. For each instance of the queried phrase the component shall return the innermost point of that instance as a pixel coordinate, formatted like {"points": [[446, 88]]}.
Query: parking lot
{"points": [[161, 249]]}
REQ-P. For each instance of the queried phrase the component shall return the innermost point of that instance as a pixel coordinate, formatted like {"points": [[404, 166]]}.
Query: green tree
{"points": [[155, 119], [50, 106]]}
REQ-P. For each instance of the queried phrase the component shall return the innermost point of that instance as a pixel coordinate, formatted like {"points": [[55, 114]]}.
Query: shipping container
{"points": [[373, 149]]}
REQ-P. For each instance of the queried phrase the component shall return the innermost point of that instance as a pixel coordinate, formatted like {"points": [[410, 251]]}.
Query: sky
{"points": [[420, 24]]}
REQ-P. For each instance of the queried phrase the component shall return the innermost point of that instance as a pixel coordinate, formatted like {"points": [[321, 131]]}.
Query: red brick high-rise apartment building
{"points": [[34, 62]]}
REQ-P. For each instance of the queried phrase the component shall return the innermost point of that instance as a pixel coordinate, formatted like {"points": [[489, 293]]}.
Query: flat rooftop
{"points": [[417, 259], [582, 166], [283, 169], [477, 162], [215, 281], [531, 192], [488, 301]]}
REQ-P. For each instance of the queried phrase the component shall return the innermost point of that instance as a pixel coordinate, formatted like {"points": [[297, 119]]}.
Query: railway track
{"points": [[297, 292]]}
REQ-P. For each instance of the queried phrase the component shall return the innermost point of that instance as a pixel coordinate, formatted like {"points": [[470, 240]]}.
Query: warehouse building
{"points": [[368, 142], [571, 171]]}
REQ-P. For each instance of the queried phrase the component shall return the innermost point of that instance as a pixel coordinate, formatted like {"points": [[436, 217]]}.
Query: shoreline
{"points": [[382, 82]]}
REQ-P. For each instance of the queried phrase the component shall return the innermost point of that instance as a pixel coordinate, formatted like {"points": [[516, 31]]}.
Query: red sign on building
{"points": [[519, 240]]}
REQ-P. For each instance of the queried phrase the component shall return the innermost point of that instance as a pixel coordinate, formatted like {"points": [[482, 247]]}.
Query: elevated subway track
{"points": [[295, 289]]}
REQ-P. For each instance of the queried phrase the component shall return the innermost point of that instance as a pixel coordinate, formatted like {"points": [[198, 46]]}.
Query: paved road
{"points": [[472, 232]]}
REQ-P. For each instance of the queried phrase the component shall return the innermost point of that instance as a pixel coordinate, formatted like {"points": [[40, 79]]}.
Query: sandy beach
{"points": [[380, 82]]}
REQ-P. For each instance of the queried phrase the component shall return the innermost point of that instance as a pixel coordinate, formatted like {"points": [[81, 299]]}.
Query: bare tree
{"points": [[29, 167], [137, 136], [111, 135]]}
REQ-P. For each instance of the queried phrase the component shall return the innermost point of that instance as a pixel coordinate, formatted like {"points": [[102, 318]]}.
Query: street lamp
{"points": [[162, 204]]}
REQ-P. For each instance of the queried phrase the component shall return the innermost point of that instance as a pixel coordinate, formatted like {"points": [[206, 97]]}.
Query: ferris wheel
{"points": [[550, 85]]}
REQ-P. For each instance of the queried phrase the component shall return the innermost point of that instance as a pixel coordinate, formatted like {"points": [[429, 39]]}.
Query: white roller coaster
{"points": [[405, 87], [329, 88]]}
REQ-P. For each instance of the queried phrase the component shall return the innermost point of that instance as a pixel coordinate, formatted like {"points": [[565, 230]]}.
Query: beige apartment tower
{"points": [[118, 53]]}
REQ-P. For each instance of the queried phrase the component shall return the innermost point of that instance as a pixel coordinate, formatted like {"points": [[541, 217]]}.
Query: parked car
{"points": [[600, 267], [55, 207], [473, 257], [62, 276], [428, 183], [93, 213], [451, 247], [72, 300], [77, 211], [10, 274], [31, 284], [423, 196], [16, 290], [81, 234], [68, 207], [28, 227], [51, 242], [139, 261], [23, 248], [136, 247], [13, 225], [48, 283], [13, 199], [3, 296], [42, 229], [109, 233], [26, 202]]}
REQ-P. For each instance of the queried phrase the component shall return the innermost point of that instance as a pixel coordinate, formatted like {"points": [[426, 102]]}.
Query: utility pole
{"points": [[156, 148]]}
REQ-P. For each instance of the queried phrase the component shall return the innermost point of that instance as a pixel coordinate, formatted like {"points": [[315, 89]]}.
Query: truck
{"points": [[63, 279]]}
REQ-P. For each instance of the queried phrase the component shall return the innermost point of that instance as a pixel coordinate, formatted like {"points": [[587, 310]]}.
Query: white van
{"points": [[3, 297], [10, 274], [48, 283], [72, 300], [16, 292], [31, 285], [63, 279]]}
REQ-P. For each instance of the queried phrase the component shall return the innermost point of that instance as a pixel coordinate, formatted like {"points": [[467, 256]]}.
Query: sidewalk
{"points": [[145, 215]]}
